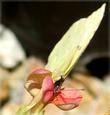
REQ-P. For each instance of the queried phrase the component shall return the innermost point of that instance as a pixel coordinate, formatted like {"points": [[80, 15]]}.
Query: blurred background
{"points": [[28, 33]]}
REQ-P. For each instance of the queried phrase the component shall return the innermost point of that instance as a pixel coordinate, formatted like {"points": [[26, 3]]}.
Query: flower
{"points": [[34, 81], [64, 98]]}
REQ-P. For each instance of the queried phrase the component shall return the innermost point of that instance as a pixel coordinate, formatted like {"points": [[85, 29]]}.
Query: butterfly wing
{"points": [[67, 51]]}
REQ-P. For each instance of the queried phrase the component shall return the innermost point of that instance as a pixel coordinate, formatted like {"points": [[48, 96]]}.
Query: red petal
{"points": [[68, 96], [48, 89]]}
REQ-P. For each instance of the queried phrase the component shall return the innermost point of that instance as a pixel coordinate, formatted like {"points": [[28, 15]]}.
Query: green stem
{"points": [[38, 109], [34, 108]]}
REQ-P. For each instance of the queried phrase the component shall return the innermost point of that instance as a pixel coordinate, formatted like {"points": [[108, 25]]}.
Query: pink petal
{"points": [[35, 79], [68, 98], [48, 89], [40, 71]]}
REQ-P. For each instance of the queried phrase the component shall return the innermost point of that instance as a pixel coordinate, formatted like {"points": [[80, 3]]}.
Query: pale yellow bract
{"points": [[67, 51]]}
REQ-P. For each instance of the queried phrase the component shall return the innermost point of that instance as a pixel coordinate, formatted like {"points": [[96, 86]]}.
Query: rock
{"points": [[11, 51]]}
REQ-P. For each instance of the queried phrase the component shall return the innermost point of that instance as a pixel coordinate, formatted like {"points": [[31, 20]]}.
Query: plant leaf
{"points": [[73, 43]]}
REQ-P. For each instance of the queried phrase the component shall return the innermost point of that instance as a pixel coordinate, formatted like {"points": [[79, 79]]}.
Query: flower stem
{"points": [[38, 109]]}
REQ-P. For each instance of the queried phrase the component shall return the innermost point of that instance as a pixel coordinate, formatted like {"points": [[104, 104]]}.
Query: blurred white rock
{"points": [[11, 51]]}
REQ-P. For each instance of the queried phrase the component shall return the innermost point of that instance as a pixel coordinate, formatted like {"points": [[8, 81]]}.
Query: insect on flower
{"points": [[64, 98], [45, 84]]}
